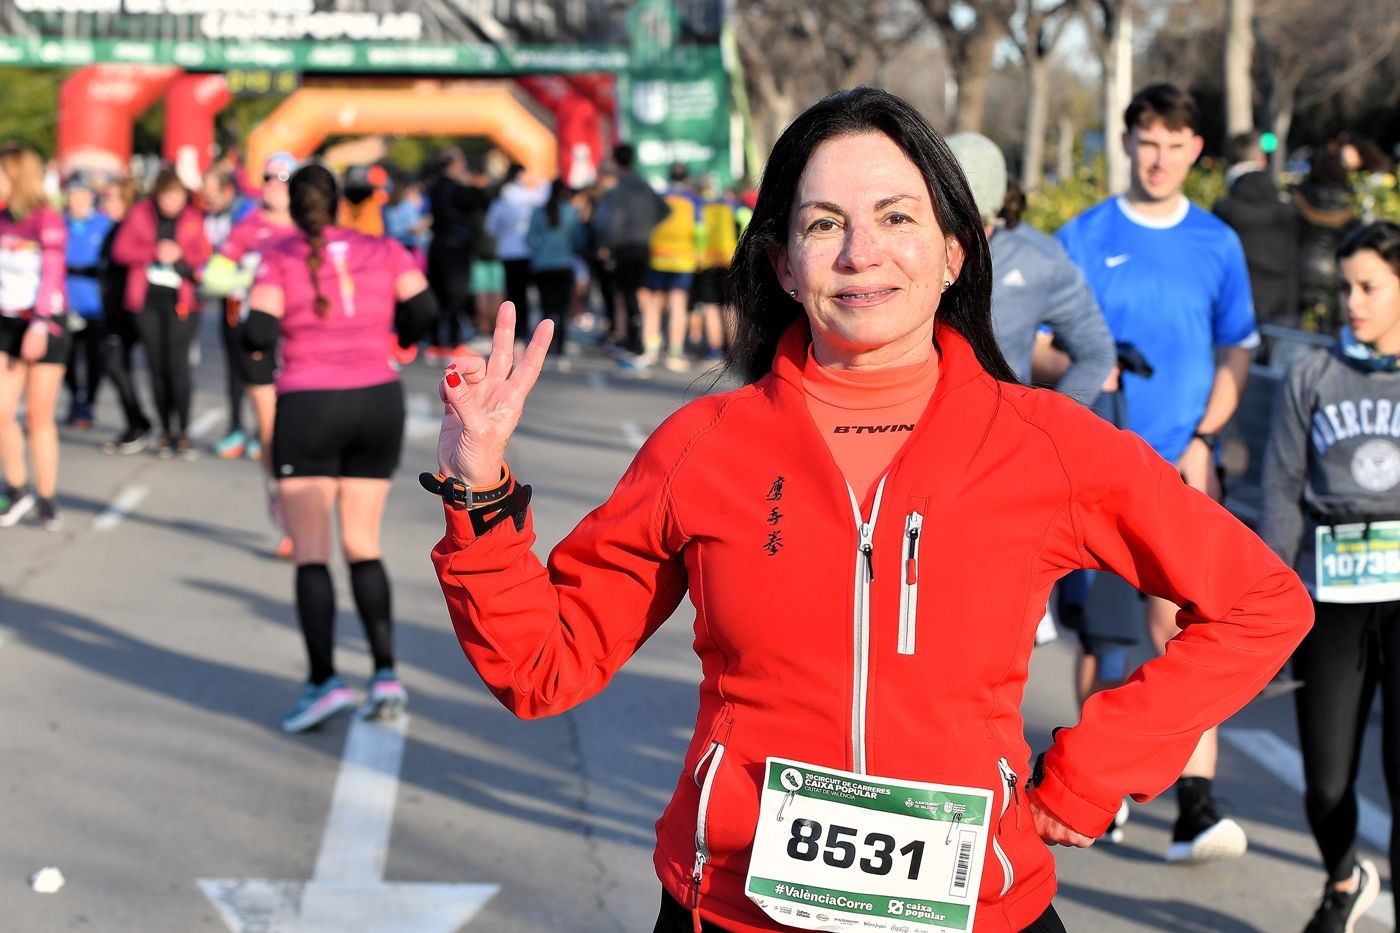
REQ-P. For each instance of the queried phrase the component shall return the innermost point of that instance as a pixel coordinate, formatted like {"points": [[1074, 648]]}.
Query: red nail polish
{"points": [[454, 380]]}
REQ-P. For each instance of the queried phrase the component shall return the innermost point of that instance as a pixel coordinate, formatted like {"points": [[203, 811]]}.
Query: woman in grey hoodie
{"points": [[1332, 510]]}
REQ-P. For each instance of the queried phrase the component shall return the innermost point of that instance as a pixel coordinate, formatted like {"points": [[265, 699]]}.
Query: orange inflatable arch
{"points": [[311, 114]]}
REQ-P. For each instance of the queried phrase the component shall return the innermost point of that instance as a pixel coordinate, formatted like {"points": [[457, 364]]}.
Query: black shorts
{"points": [[355, 433], [12, 337], [709, 287]]}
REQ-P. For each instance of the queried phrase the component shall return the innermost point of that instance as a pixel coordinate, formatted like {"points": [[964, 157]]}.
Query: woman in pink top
{"points": [[33, 339], [333, 296]]}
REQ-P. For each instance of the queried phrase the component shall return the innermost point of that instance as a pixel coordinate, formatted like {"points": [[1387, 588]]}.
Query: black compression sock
{"points": [[316, 612], [1192, 792], [370, 584]]}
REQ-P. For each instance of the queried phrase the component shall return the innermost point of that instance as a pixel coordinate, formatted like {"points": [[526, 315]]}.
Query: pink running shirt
{"points": [[349, 347], [253, 234]]}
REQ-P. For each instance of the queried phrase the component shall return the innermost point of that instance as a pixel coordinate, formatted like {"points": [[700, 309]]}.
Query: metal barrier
{"points": [[1242, 450]]}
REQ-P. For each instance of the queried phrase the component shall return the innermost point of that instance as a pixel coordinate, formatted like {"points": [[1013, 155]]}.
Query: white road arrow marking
{"points": [[1285, 762], [347, 890]]}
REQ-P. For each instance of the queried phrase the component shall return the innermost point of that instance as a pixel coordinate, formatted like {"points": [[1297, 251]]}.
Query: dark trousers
{"points": [[518, 291], [450, 278], [88, 353], [676, 919], [167, 337], [122, 338], [631, 264], [1350, 651], [556, 288], [233, 369]]}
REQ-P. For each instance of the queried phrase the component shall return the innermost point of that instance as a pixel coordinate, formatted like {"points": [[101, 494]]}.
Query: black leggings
{"points": [[676, 919], [122, 338], [89, 347], [1350, 651], [556, 288], [167, 337], [233, 367], [518, 290]]}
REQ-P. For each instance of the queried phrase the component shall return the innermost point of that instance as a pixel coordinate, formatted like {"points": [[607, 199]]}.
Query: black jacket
{"points": [[1267, 224]]}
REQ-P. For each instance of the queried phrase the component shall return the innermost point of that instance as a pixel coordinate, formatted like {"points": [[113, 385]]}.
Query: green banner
{"points": [[303, 56], [677, 110]]}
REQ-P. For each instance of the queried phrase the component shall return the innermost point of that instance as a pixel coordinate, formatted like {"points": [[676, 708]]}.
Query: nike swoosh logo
{"points": [[1118, 260]]}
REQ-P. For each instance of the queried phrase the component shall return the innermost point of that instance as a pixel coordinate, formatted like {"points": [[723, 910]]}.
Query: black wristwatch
{"points": [[458, 494], [1212, 439]]}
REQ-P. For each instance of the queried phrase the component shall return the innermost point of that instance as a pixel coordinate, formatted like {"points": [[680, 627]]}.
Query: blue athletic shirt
{"points": [[1178, 289]]}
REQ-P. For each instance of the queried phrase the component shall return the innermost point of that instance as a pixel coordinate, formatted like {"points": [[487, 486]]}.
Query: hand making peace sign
{"points": [[484, 399]]}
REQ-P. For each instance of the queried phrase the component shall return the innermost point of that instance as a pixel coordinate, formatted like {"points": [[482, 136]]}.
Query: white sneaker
{"points": [[1120, 819]]}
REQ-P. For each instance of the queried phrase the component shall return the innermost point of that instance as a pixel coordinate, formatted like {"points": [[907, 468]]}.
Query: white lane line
{"points": [[634, 434], [205, 422], [424, 419], [121, 506], [347, 890], [596, 381], [1285, 762]]}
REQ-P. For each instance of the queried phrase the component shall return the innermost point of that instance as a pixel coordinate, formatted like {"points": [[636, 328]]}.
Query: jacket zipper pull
{"points": [[911, 562], [1012, 788], [697, 873], [867, 547]]}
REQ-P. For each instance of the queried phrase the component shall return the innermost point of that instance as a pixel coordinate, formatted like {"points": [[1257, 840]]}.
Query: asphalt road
{"points": [[148, 653]]}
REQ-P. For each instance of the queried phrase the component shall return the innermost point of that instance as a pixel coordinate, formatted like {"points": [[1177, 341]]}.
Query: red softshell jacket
{"points": [[135, 248], [915, 674]]}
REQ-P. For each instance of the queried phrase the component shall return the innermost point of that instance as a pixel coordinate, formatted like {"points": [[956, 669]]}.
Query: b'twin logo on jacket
{"points": [[872, 428]]}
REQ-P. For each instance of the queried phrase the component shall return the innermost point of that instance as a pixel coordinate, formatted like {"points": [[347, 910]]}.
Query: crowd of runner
{"points": [[324, 286]]}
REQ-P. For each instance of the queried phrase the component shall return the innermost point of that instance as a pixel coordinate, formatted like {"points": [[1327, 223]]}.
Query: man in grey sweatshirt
{"points": [[1036, 283]]}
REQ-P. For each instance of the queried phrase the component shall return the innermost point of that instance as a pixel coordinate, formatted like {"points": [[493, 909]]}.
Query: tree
{"points": [[971, 31], [1036, 30], [793, 53], [1316, 55], [1110, 26], [1239, 61]]}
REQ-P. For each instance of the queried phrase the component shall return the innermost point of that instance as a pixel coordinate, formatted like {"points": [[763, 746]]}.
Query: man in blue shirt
{"points": [[1171, 280]]}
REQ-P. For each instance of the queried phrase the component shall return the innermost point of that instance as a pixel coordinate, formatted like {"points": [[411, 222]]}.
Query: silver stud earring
{"points": [[947, 285], [792, 293]]}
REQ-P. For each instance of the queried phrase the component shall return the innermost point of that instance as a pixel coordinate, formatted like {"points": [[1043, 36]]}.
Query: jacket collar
{"points": [[957, 364]]}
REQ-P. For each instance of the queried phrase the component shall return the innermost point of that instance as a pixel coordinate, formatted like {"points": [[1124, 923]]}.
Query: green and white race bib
{"points": [[1356, 567], [834, 849]]}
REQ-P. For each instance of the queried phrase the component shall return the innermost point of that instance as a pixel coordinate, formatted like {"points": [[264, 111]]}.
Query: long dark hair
{"points": [[314, 198], [558, 196], [763, 309]]}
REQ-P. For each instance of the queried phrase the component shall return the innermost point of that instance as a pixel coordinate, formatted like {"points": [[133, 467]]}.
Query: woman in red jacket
{"points": [[868, 530], [162, 242]]}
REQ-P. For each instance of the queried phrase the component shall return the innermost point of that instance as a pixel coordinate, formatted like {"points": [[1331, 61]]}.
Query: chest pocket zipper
{"points": [[909, 584], [1008, 873]]}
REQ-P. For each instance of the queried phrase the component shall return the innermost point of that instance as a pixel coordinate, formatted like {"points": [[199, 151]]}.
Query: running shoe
{"points": [[1340, 910], [676, 363], [46, 515], [1120, 819], [14, 505], [165, 448], [387, 696], [185, 450], [232, 446], [254, 449], [317, 704], [128, 442], [1201, 834], [638, 363]]}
